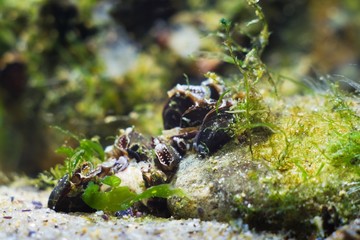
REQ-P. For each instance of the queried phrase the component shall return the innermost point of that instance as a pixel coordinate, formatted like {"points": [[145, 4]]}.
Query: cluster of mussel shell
{"points": [[196, 119]]}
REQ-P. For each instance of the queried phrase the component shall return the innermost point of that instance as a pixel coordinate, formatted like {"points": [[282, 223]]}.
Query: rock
{"points": [[230, 185], [214, 185]]}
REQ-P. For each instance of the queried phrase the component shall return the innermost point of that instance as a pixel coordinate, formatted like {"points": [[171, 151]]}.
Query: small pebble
{"points": [[31, 233], [121, 214], [37, 204]]}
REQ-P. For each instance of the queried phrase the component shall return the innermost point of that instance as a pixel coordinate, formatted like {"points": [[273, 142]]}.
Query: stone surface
{"points": [[214, 185]]}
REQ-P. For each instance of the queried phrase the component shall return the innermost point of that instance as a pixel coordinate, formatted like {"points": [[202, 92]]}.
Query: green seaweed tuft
{"points": [[346, 151], [88, 150], [119, 197], [250, 111]]}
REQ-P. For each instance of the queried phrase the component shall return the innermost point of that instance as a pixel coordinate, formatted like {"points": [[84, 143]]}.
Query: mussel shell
{"points": [[196, 91], [194, 115], [61, 202], [214, 92], [174, 109], [138, 146], [181, 139], [188, 104], [214, 88], [122, 142], [214, 131], [167, 158], [180, 145], [129, 144], [138, 152]]}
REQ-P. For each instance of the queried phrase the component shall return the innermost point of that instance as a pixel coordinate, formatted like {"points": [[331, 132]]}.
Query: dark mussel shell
{"points": [[183, 143], [174, 109], [188, 104], [180, 145], [138, 146], [138, 152], [184, 111], [214, 131], [194, 115], [130, 144], [60, 201], [215, 89], [181, 139]]}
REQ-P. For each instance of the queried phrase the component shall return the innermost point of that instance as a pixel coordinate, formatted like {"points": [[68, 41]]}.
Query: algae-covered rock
{"points": [[289, 183], [230, 185]]}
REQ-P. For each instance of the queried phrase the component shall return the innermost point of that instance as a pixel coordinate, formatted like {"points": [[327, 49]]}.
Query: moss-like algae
{"points": [[312, 151], [281, 185], [314, 161]]}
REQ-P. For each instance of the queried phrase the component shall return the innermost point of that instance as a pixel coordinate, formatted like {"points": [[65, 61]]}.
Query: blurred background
{"points": [[92, 67]]}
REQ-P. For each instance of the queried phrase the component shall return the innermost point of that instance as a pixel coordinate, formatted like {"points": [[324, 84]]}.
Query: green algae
{"points": [[119, 197], [87, 150], [312, 168]]}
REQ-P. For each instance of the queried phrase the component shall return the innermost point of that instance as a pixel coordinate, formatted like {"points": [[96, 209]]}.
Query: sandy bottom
{"points": [[25, 215]]}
